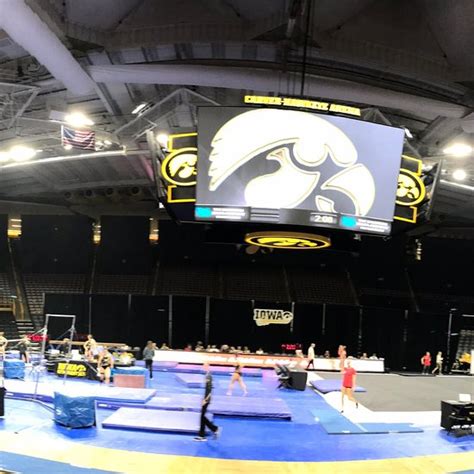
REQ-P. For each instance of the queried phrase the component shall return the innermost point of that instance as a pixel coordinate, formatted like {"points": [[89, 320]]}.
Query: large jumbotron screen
{"points": [[293, 167]]}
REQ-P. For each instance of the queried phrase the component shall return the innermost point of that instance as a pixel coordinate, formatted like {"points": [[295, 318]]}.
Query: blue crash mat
{"points": [[331, 385], [45, 392], [334, 422], [191, 380], [235, 405], [216, 370], [154, 420]]}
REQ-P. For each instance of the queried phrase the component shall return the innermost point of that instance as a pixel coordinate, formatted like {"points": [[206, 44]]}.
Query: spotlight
{"points": [[139, 108], [419, 250], [408, 133], [21, 153], [459, 175], [162, 139], [458, 149], [78, 119]]}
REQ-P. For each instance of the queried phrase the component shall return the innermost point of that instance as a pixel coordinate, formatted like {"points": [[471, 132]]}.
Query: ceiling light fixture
{"points": [[458, 149], [139, 108], [459, 175], [21, 153], [162, 139], [408, 133], [78, 119]]}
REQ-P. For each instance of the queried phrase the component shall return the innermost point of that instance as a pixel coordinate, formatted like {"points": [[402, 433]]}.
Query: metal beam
{"points": [[81, 156], [104, 184]]}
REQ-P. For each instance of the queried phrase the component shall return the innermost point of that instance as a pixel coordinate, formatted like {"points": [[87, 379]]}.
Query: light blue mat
{"points": [[334, 422]]}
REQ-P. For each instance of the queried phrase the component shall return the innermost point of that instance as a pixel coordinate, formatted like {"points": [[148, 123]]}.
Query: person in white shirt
{"points": [[439, 363], [311, 355]]}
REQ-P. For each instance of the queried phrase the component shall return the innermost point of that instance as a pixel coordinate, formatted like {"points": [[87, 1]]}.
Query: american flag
{"points": [[83, 139]]}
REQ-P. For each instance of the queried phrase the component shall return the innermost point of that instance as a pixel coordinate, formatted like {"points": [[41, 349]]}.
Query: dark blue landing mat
{"points": [[224, 405], [191, 380], [154, 420], [20, 464], [331, 385]]}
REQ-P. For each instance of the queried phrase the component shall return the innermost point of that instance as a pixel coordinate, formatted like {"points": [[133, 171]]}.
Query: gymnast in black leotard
{"points": [[237, 377]]}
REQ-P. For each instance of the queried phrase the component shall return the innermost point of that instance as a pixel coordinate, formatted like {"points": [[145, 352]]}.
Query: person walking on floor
{"points": [[205, 405], [348, 385], [237, 377], [311, 355], [439, 363], [148, 354], [426, 363]]}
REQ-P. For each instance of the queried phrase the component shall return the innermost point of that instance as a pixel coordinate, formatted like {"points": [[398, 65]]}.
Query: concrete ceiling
{"points": [[408, 59]]}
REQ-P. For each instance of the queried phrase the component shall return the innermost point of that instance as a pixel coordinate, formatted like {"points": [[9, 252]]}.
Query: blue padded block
{"points": [[122, 394], [130, 371], [191, 380], [176, 401], [331, 385], [154, 420], [74, 411], [13, 369], [225, 405]]}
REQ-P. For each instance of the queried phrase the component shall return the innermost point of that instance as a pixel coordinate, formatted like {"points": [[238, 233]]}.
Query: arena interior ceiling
{"points": [[403, 62]]}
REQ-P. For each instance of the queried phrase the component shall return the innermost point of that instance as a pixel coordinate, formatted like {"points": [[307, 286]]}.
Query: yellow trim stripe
{"points": [[107, 459]]}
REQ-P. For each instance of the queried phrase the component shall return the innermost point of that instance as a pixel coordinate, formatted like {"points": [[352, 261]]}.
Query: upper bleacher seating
{"points": [[188, 279], [121, 284], [321, 285], [255, 282], [37, 284], [6, 290]]}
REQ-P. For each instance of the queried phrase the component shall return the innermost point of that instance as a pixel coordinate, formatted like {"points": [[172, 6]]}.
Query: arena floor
{"points": [[30, 442]]}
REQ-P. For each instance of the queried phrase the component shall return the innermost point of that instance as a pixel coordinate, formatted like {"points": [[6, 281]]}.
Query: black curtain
{"points": [[307, 326], [109, 318], [77, 305], [383, 334], [231, 323], [148, 320], [189, 316]]}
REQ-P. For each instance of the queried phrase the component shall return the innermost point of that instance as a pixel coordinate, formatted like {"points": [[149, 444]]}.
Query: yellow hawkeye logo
{"points": [[288, 240]]}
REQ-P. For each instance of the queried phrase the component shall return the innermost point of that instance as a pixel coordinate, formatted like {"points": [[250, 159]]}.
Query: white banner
{"points": [[264, 317]]}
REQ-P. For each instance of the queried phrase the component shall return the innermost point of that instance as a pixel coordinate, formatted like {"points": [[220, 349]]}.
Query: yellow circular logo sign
{"points": [[288, 240], [410, 190], [179, 167]]}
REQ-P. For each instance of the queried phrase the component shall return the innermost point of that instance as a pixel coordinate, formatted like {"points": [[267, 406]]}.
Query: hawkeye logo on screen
{"points": [[264, 317], [304, 147]]}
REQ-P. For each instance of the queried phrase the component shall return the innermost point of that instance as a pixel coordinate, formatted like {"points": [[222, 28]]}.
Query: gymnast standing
{"points": [[342, 353], [23, 347], [237, 377], [348, 385], [105, 364], [90, 347], [3, 344]]}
